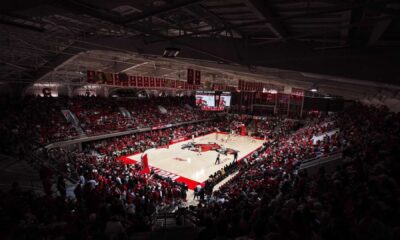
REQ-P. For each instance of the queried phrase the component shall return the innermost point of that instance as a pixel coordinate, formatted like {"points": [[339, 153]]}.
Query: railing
{"points": [[117, 134], [321, 160], [313, 122], [37, 161], [166, 220], [329, 132], [321, 136]]}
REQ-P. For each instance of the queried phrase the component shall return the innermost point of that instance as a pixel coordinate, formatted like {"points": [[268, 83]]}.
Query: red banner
{"points": [[122, 83], [124, 80], [133, 81], [117, 82], [90, 76], [190, 76], [146, 82], [145, 165], [257, 86], [139, 81], [197, 77], [172, 83], [152, 83]]}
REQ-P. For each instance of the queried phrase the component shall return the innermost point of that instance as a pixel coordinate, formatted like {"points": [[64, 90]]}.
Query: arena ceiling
{"points": [[345, 47]]}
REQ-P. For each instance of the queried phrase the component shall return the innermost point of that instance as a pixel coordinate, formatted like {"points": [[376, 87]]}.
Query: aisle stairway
{"points": [[71, 118], [277, 128], [162, 109], [125, 112], [15, 170]]}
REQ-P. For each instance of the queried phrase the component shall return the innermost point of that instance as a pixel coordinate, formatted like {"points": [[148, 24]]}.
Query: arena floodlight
{"points": [[314, 88]]}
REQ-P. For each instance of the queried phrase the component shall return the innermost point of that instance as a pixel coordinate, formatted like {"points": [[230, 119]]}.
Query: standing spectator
{"points": [[115, 230], [235, 156], [61, 186]]}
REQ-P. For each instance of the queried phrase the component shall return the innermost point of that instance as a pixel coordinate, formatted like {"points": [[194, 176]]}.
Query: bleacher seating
{"points": [[269, 198]]}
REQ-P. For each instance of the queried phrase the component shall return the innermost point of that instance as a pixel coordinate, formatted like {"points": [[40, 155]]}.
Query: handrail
{"points": [[318, 160], [117, 134], [326, 133]]}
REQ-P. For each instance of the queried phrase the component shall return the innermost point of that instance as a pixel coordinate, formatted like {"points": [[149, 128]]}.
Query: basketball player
{"points": [[235, 156], [228, 137], [199, 150], [250, 136], [253, 139], [217, 161], [222, 138]]}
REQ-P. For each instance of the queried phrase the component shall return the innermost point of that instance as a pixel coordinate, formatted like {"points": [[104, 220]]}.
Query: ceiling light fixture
{"points": [[171, 52], [314, 88]]}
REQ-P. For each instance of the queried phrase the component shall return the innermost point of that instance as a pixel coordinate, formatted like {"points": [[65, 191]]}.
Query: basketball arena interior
{"points": [[204, 119]]}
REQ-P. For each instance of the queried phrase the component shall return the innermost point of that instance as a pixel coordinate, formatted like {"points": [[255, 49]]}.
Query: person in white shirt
{"points": [[82, 180], [92, 183]]}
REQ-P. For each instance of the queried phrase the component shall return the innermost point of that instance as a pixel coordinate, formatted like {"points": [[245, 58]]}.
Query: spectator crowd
{"points": [[269, 198], [40, 121]]}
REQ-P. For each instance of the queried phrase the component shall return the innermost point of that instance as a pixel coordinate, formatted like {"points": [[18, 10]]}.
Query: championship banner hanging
{"points": [[152, 83], [197, 77], [190, 76], [257, 86], [117, 81], [146, 82], [133, 81], [90, 76], [124, 80], [139, 81]]}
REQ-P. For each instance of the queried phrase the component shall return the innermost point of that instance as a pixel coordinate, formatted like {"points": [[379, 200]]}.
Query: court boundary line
{"points": [[189, 182]]}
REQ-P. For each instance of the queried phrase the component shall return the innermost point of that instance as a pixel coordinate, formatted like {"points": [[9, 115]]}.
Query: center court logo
{"points": [[206, 147]]}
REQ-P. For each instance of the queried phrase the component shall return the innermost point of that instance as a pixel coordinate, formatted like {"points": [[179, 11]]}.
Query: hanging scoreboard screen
{"points": [[213, 100]]}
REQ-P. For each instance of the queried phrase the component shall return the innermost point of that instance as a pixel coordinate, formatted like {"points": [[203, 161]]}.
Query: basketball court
{"points": [[192, 167]]}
